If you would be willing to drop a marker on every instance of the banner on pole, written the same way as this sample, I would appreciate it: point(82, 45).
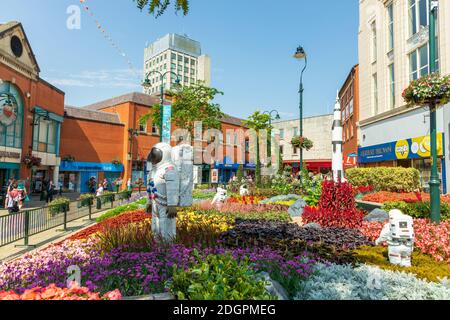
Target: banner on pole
point(166, 123)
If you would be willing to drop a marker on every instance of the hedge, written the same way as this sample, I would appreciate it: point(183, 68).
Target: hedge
point(417, 209)
point(395, 179)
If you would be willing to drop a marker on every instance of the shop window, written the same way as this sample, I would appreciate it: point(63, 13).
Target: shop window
point(45, 135)
point(11, 122)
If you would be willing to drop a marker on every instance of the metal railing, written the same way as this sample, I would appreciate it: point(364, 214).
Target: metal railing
point(24, 224)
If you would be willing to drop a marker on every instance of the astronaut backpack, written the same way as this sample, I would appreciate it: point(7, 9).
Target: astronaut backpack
point(183, 159)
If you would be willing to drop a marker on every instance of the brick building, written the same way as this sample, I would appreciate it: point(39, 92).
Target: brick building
point(349, 97)
point(106, 140)
point(31, 113)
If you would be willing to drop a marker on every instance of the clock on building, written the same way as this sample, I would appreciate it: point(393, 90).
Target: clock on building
point(16, 46)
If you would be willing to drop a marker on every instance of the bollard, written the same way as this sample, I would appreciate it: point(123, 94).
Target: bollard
point(26, 227)
point(65, 218)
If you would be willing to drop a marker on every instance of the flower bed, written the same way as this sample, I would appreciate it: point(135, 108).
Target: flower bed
point(332, 244)
point(52, 292)
point(245, 199)
point(344, 282)
point(410, 197)
point(430, 238)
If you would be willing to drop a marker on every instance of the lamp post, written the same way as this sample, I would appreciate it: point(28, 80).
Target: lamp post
point(299, 55)
point(132, 133)
point(434, 178)
point(147, 84)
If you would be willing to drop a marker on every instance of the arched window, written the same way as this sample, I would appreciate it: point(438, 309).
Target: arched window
point(11, 116)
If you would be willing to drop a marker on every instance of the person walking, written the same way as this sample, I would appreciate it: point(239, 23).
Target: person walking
point(105, 184)
point(129, 185)
point(99, 190)
point(50, 191)
point(13, 200)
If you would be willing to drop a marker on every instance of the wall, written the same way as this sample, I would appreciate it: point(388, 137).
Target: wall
point(375, 10)
point(350, 91)
point(317, 129)
point(90, 141)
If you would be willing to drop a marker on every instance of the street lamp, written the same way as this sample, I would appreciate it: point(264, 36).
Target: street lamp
point(132, 133)
point(299, 55)
point(434, 178)
point(147, 84)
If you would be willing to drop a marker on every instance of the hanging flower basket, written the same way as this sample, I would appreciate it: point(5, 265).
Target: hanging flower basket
point(302, 143)
point(431, 90)
point(31, 161)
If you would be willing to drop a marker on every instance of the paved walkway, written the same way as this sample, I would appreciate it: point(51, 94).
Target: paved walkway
point(15, 250)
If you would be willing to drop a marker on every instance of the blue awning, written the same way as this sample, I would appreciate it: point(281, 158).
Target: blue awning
point(90, 166)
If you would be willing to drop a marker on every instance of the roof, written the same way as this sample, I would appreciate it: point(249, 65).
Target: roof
point(232, 120)
point(92, 115)
point(304, 118)
point(146, 100)
point(135, 97)
point(5, 27)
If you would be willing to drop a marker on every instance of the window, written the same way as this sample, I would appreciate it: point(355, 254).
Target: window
point(281, 133)
point(373, 27)
point(294, 150)
point(173, 56)
point(154, 129)
point(295, 132)
point(192, 62)
point(186, 60)
point(418, 15)
point(281, 150)
point(180, 58)
point(11, 136)
point(142, 128)
point(351, 107)
point(392, 86)
point(45, 135)
point(351, 130)
point(419, 62)
point(390, 10)
point(375, 93)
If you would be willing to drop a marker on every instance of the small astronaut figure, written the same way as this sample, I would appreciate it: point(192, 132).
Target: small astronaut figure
point(163, 190)
point(399, 234)
point(220, 197)
point(244, 191)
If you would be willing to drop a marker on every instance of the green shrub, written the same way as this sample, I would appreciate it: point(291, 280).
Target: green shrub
point(417, 209)
point(58, 205)
point(394, 179)
point(86, 199)
point(121, 209)
point(218, 277)
point(423, 266)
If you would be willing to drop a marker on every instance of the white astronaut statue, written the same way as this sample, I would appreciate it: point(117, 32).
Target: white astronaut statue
point(163, 190)
point(220, 197)
point(244, 191)
point(399, 234)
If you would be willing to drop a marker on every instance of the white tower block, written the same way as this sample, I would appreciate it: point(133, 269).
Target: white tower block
point(337, 159)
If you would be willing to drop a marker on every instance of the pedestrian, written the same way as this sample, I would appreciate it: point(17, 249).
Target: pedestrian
point(60, 187)
point(13, 200)
point(100, 190)
point(23, 196)
point(50, 191)
point(105, 184)
point(129, 185)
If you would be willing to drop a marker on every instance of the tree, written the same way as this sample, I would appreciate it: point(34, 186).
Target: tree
point(158, 7)
point(191, 104)
point(258, 121)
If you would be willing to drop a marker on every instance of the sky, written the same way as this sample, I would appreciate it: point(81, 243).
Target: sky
point(251, 44)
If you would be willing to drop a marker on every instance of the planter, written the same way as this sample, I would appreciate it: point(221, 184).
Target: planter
point(85, 202)
point(58, 208)
point(368, 206)
point(99, 203)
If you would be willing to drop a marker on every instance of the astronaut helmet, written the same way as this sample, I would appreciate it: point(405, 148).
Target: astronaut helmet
point(394, 214)
point(160, 153)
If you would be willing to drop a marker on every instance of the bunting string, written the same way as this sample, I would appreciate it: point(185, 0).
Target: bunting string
point(108, 38)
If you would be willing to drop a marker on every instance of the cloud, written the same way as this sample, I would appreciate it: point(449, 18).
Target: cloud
point(114, 78)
